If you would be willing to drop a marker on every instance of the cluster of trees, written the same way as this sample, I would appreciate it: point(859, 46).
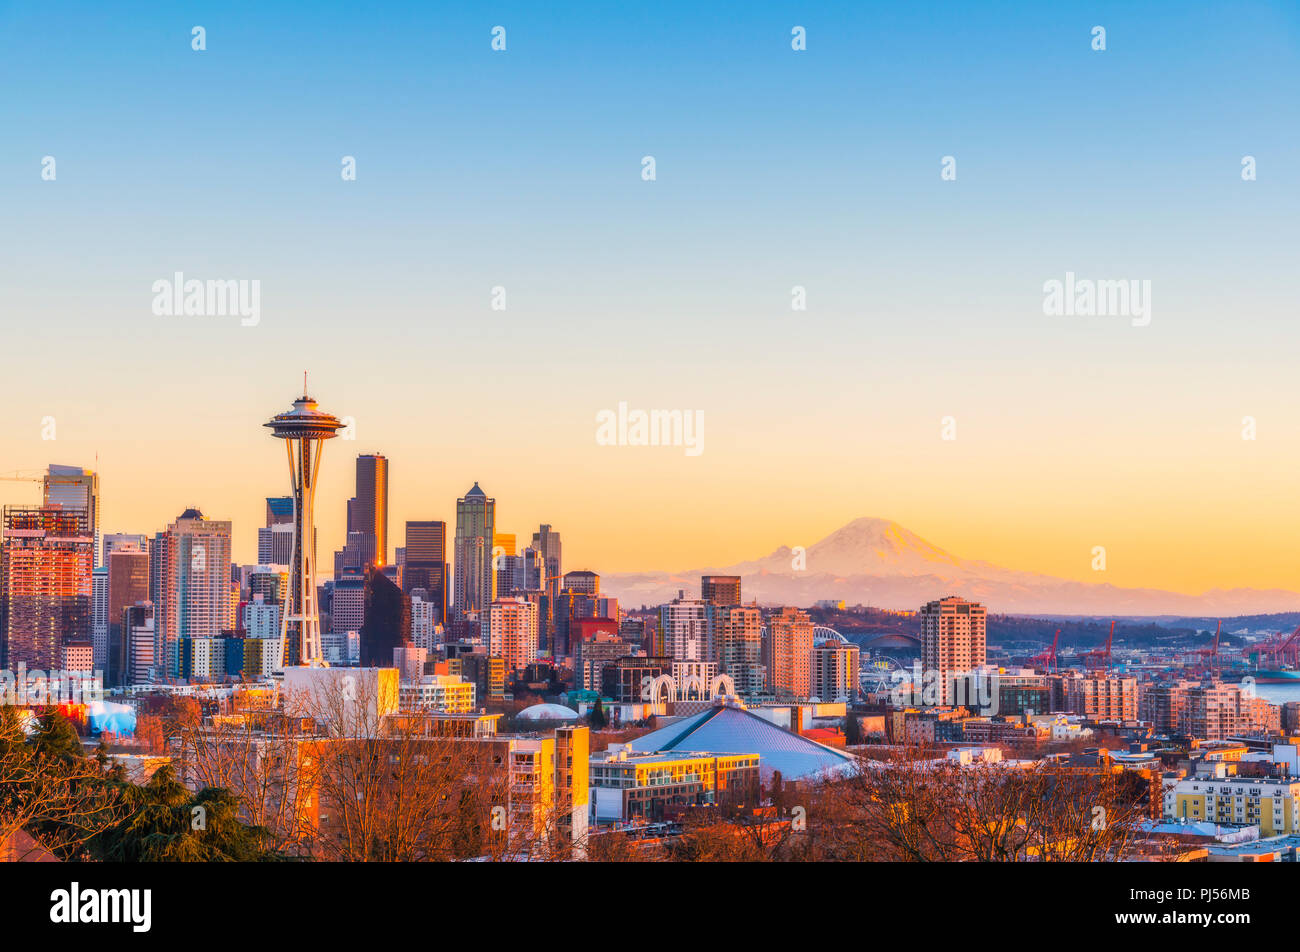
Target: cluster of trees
point(917, 810)
point(80, 807)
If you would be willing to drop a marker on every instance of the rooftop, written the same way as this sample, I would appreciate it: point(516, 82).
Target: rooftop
point(725, 729)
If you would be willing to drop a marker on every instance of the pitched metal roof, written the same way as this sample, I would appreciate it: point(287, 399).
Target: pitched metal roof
point(730, 730)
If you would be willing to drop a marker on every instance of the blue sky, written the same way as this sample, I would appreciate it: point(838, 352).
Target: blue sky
point(775, 168)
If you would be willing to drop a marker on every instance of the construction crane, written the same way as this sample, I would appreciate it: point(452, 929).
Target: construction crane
point(1101, 652)
point(19, 477)
point(1047, 658)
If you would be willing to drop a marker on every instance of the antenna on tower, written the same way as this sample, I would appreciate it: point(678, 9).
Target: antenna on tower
point(304, 383)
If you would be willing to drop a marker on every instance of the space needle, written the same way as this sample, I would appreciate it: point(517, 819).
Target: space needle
point(302, 429)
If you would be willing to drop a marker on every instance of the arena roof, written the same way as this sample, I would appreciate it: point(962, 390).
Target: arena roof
point(726, 729)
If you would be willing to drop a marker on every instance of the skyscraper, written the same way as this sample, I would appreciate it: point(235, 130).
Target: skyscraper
point(952, 642)
point(99, 618)
point(304, 430)
point(46, 561)
point(387, 622)
point(279, 510)
point(275, 544)
point(588, 583)
point(720, 589)
point(347, 615)
point(504, 562)
point(370, 514)
point(475, 532)
point(111, 541)
point(426, 564)
point(128, 583)
point(275, 540)
point(547, 542)
point(195, 586)
point(73, 487)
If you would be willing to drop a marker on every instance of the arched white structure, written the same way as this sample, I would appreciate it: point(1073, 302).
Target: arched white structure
point(693, 688)
point(722, 686)
point(822, 634)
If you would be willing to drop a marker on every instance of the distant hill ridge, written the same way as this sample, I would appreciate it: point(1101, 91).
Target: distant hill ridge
point(878, 562)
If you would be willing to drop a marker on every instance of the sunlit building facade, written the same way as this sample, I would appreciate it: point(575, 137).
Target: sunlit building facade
point(475, 532)
point(196, 585)
point(47, 560)
point(953, 633)
point(789, 647)
point(512, 632)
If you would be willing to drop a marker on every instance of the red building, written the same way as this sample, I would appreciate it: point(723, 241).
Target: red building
point(585, 629)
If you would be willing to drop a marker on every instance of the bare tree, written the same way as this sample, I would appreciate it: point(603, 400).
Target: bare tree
point(923, 810)
point(386, 787)
point(65, 799)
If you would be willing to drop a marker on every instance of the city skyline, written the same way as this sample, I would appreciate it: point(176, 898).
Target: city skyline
point(245, 542)
point(758, 433)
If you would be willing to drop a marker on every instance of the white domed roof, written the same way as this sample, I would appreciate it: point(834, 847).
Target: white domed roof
point(549, 712)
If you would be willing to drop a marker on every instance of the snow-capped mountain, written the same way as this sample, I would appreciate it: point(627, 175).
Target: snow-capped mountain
point(881, 563)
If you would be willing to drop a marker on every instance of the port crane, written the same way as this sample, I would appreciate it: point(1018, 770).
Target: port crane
point(1100, 652)
point(1047, 658)
point(1210, 656)
point(1277, 650)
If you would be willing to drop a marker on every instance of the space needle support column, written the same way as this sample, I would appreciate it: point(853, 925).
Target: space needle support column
point(307, 426)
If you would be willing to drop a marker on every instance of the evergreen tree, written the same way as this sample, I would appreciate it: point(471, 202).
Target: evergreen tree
point(167, 823)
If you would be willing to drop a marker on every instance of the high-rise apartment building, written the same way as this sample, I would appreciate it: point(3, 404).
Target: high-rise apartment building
point(512, 632)
point(196, 585)
point(47, 559)
point(720, 589)
point(686, 629)
point(738, 646)
point(953, 633)
point(271, 582)
point(834, 671)
point(138, 642)
point(261, 619)
point(427, 629)
point(475, 532)
point(788, 654)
